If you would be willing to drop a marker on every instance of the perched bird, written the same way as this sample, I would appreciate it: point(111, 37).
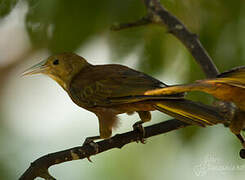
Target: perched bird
point(228, 86)
point(109, 90)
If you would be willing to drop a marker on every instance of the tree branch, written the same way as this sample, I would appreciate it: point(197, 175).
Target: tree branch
point(163, 17)
point(39, 168)
point(141, 22)
point(157, 14)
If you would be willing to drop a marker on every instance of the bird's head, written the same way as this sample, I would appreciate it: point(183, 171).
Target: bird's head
point(60, 67)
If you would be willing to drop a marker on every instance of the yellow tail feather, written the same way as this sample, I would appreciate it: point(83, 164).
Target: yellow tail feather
point(191, 112)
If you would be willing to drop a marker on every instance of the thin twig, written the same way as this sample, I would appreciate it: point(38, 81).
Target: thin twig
point(141, 22)
point(179, 30)
point(157, 14)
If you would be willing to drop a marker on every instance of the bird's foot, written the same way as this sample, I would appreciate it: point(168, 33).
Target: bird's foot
point(140, 129)
point(242, 151)
point(90, 141)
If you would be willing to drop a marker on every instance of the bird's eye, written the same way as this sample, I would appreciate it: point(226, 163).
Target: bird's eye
point(56, 62)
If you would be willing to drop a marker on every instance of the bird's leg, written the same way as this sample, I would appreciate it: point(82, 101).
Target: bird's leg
point(139, 128)
point(90, 141)
point(144, 116)
point(236, 126)
point(242, 151)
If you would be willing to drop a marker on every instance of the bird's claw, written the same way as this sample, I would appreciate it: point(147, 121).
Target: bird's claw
point(88, 158)
point(139, 128)
point(242, 153)
point(91, 143)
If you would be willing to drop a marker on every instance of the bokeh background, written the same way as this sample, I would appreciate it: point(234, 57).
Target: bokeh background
point(37, 117)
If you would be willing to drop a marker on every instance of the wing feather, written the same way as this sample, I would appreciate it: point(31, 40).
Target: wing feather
point(106, 85)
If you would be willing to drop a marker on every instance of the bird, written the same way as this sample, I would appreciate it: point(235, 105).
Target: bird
point(228, 86)
point(112, 89)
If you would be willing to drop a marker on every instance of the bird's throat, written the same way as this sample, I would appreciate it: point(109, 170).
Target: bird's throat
point(61, 81)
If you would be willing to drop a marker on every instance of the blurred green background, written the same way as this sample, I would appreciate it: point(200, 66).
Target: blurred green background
point(37, 117)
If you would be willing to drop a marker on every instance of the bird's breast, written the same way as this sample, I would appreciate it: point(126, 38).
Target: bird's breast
point(78, 98)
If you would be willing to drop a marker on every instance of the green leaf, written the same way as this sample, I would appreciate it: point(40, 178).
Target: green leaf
point(6, 6)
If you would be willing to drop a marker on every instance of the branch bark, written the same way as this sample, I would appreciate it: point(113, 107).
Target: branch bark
point(178, 29)
point(39, 168)
point(157, 14)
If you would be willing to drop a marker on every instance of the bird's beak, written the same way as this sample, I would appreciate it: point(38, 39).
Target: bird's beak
point(36, 69)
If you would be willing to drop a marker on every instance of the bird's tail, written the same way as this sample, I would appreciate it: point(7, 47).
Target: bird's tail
point(191, 112)
point(234, 77)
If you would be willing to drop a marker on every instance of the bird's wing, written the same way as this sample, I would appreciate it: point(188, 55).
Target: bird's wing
point(115, 84)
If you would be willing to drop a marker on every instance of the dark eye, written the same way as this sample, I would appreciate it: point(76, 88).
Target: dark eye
point(56, 62)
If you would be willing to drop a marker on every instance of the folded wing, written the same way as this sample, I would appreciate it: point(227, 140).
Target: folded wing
point(106, 85)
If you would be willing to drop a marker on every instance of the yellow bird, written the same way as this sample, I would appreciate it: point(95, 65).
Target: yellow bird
point(109, 90)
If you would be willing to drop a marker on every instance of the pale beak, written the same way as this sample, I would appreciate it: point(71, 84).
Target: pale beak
point(36, 69)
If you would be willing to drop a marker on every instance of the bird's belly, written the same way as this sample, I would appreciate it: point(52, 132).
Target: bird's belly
point(132, 107)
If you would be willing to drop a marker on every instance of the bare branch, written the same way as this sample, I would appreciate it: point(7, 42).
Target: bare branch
point(178, 29)
point(157, 14)
point(141, 22)
point(39, 168)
